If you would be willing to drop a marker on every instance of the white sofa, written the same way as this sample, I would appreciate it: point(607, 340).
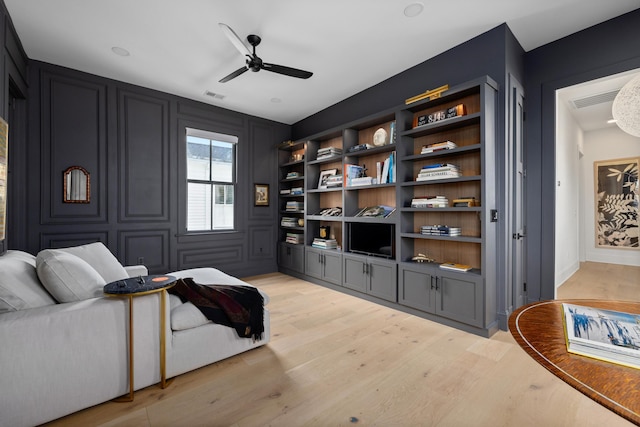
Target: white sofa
point(59, 358)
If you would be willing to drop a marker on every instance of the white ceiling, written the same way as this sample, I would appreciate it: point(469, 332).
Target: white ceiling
point(177, 46)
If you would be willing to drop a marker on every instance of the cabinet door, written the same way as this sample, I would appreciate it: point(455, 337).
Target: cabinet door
point(355, 276)
point(460, 297)
point(296, 258)
point(416, 288)
point(332, 267)
point(313, 263)
point(383, 279)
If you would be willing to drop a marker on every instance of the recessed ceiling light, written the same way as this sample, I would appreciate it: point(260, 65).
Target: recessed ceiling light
point(611, 121)
point(413, 10)
point(214, 95)
point(276, 100)
point(120, 51)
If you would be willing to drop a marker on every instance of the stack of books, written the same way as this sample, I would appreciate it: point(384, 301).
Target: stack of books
point(360, 147)
point(337, 211)
point(440, 230)
point(296, 191)
point(334, 181)
point(294, 206)
point(294, 238)
point(285, 191)
point(465, 202)
point(386, 171)
point(430, 202)
point(351, 172)
point(365, 180)
point(325, 153)
point(438, 171)
point(289, 222)
point(445, 145)
point(324, 243)
point(293, 175)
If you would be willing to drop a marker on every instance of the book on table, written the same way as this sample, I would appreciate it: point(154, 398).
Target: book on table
point(608, 335)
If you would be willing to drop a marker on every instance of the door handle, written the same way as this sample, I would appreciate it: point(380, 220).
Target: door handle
point(517, 236)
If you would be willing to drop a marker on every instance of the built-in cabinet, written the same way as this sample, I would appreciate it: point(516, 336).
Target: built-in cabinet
point(465, 116)
point(374, 276)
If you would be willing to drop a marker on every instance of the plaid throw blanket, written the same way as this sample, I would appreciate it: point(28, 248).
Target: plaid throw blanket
point(239, 307)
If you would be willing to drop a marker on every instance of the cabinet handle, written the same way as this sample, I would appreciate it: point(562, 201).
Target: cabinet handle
point(364, 268)
point(432, 282)
point(437, 283)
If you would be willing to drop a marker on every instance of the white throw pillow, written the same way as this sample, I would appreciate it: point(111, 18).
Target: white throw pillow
point(187, 316)
point(68, 277)
point(19, 284)
point(101, 259)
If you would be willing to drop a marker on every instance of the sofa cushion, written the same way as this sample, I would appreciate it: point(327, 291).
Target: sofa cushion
point(187, 316)
point(98, 256)
point(19, 284)
point(68, 277)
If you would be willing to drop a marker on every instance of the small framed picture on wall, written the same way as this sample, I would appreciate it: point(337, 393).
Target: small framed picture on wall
point(261, 194)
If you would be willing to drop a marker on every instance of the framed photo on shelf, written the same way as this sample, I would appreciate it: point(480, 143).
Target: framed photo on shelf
point(616, 203)
point(324, 175)
point(261, 194)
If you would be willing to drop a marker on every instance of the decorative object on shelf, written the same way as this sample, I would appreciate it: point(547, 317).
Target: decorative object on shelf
point(261, 194)
point(430, 94)
point(611, 336)
point(616, 184)
point(300, 222)
point(4, 158)
point(324, 176)
point(422, 258)
point(285, 144)
point(626, 107)
point(325, 231)
point(379, 211)
point(380, 137)
point(77, 185)
point(447, 113)
point(296, 157)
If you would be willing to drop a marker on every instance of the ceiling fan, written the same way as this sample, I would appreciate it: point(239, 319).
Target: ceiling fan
point(254, 63)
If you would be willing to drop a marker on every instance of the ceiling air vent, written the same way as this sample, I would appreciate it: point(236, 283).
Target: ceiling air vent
point(214, 95)
point(591, 100)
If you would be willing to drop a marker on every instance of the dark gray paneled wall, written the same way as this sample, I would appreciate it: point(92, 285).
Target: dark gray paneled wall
point(605, 49)
point(131, 140)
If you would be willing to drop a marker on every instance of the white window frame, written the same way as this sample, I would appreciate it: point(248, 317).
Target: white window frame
point(216, 137)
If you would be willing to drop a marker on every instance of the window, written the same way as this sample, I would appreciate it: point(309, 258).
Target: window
point(211, 180)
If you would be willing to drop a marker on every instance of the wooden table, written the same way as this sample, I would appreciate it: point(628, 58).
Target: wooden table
point(538, 328)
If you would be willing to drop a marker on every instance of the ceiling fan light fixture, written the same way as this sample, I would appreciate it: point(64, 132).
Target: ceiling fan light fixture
point(626, 107)
point(413, 10)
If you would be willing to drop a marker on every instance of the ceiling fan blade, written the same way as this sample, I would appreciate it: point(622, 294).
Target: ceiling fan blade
point(233, 75)
point(287, 71)
point(234, 39)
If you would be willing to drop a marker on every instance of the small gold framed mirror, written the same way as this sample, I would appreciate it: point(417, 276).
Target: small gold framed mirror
point(77, 185)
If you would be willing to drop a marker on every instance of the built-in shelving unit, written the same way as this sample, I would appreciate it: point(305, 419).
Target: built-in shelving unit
point(462, 299)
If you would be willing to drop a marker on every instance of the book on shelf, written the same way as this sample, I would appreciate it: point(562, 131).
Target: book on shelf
point(285, 191)
point(444, 145)
point(351, 172)
point(392, 132)
point(324, 153)
point(379, 211)
point(296, 191)
point(440, 230)
point(608, 335)
point(294, 206)
point(430, 202)
point(337, 211)
point(294, 238)
point(365, 180)
point(324, 243)
point(442, 174)
point(334, 181)
point(466, 202)
point(289, 222)
point(360, 147)
point(452, 266)
point(293, 175)
point(388, 172)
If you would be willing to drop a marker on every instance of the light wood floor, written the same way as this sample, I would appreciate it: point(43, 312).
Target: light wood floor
point(337, 360)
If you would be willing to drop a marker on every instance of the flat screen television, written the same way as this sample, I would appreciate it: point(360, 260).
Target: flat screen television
point(374, 239)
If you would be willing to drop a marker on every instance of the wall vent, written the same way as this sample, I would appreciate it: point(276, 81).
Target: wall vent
point(591, 100)
point(215, 95)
